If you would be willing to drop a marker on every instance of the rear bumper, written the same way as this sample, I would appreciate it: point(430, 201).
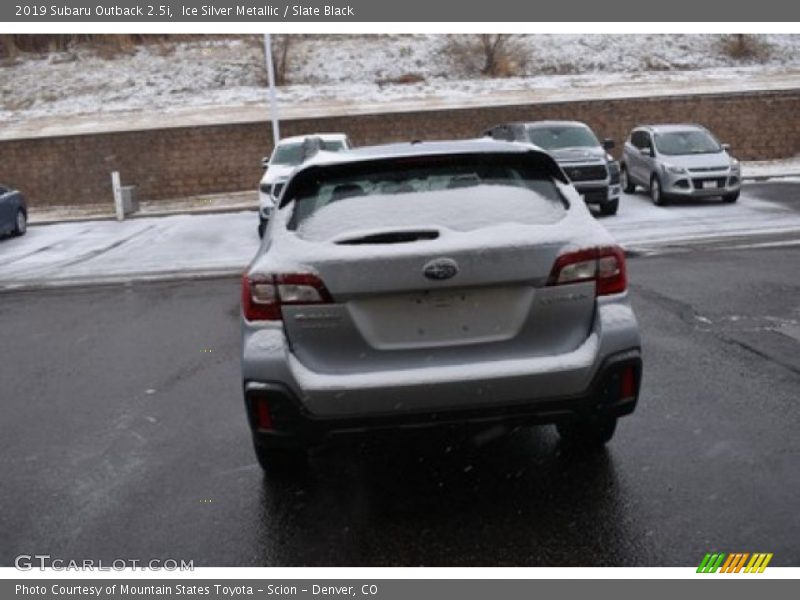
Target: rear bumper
point(292, 425)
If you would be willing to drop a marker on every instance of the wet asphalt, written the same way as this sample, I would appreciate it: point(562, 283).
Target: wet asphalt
point(123, 435)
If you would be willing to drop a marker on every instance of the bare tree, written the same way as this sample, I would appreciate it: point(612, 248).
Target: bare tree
point(747, 47)
point(281, 45)
point(493, 49)
point(491, 55)
point(8, 46)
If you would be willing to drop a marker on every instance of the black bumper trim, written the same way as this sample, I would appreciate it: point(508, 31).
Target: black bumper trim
point(295, 426)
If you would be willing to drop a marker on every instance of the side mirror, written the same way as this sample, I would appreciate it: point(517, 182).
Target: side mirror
point(646, 151)
point(265, 162)
point(726, 147)
point(608, 144)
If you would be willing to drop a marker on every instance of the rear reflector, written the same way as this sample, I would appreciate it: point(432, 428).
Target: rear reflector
point(627, 388)
point(263, 295)
point(605, 266)
point(263, 417)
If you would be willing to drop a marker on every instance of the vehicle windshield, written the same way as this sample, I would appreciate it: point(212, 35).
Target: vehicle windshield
point(557, 137)
point(287, 154)
point(443, 189)
point(686, 142)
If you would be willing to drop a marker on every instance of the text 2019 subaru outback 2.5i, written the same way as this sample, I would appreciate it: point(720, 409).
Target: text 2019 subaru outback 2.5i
point(586, 162)
point(425, 284)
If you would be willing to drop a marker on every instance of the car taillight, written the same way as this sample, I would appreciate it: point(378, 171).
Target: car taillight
point(263, 295)
point(605, 266)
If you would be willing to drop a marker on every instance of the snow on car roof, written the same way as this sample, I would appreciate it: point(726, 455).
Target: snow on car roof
point(327, 137)
point(666, 127)
point(542, 124)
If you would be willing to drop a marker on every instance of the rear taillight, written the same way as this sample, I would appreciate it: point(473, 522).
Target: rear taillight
point(263, 295)
point(605, 266)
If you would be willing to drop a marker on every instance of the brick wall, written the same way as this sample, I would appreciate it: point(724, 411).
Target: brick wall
point(178, 162)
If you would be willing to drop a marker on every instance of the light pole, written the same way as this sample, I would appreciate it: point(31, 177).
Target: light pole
point(273, 100)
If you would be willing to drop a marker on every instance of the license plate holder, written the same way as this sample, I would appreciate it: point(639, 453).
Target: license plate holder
point(710, 184)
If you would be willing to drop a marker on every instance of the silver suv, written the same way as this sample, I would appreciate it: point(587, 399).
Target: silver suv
point(587, 163)
point(672, 161)
point(428, 284)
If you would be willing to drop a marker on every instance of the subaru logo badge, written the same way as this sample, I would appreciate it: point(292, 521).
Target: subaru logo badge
point(440, 268)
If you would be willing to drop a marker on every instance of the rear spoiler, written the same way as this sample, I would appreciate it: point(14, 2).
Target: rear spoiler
point(313, 173)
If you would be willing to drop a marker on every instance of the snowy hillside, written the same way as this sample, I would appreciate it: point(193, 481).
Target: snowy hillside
point(230, 71)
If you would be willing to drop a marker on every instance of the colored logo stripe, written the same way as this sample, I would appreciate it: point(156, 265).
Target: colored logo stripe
point(734, 563)
point(758, 563)
point(711, 563)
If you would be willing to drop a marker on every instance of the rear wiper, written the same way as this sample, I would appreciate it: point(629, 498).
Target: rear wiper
point(392, 237)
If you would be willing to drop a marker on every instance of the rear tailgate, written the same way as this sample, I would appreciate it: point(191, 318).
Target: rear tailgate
point(438, 277)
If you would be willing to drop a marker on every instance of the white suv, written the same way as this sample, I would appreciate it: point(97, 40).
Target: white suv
point(288, 153)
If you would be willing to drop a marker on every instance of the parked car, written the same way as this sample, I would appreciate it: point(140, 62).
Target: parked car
point(587, 163)
point(422, 284)
point(679, 160)
point(288, 153)
point(13, 212)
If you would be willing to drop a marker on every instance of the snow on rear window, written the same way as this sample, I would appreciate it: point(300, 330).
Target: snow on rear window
point(460, 209)
point(457, 192)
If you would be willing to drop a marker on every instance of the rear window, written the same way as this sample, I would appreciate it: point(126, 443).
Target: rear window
point(430, 190)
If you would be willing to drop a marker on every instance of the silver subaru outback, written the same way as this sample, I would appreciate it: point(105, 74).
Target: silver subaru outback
point(678, 160)
point(434, 284)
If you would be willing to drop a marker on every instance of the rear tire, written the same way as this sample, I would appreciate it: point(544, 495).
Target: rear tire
point(656, 192)
point(281, 462)
point(731, 198)
point(609, 208)
point(21, 223)
point(587, 432)
point(625, 181)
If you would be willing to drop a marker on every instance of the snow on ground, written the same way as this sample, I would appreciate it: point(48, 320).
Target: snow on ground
point(757, 169)
point(184, 246)
point(230, 71)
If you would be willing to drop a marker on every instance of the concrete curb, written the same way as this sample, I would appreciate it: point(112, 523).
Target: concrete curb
point(29, 285)
point(633, 249)
point(147, 215)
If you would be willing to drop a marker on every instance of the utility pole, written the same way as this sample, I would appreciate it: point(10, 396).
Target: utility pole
point(273, 99)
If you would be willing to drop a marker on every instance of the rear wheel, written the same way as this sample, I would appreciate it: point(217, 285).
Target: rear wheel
point(625, 181)
point(730, 198)
point(21, 223)
point(281, 462)
point(587, 432)
point(610, 207)
point(656, 192)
